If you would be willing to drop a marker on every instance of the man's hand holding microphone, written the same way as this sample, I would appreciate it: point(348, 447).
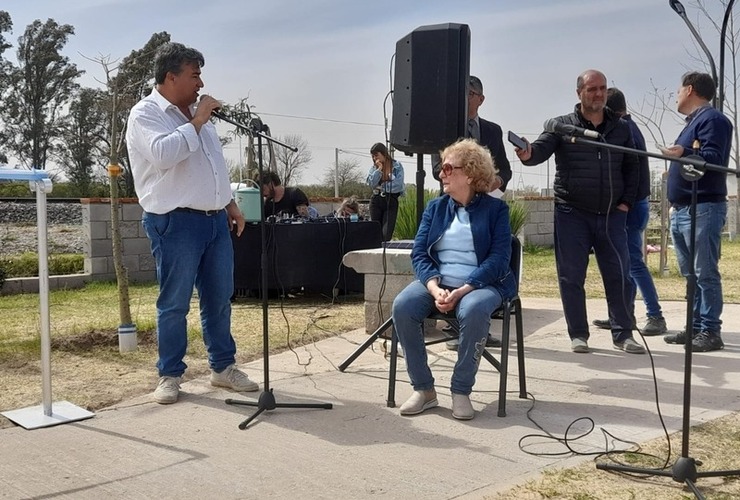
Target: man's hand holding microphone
point(206, 106)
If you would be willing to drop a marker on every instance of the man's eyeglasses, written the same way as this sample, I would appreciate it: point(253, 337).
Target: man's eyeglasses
point(472, 93)
point(448, 168)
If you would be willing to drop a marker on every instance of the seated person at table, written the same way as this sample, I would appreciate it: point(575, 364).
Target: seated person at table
point(348, 208)
point(461, 261)
point(282, 201)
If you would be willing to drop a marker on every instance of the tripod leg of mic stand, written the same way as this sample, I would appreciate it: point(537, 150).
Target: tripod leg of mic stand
point(320, 406)
point(267, 401)
point(244, 424)
point(684, 471)
point(634, 470)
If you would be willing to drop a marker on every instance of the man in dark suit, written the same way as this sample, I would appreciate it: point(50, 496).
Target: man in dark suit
point(487, 134)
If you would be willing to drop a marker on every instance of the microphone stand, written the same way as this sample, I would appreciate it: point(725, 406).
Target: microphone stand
point(684, 469)
point(266, 400)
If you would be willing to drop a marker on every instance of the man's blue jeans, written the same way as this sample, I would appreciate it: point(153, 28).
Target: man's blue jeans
point(637, 221)
point(192, 249)
point(710, 219)
point(576, 233)
point(473, 312)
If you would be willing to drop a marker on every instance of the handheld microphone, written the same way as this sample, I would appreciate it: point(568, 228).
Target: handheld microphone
point(217, 114)
point(558, 127)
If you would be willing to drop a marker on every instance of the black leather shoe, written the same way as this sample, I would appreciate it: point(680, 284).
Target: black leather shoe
point(706, 341)
point(604, 324)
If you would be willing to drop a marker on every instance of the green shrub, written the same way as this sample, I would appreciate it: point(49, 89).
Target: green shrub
point(66, 264)
point(406, 221)
point(518, 216)
point(27, 264)
point(15, 189)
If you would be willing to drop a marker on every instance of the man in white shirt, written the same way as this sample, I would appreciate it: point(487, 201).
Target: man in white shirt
point(183, 186)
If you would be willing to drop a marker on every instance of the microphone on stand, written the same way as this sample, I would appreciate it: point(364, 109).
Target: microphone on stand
point(254, 123)
point(558, 127)
point(216, 113)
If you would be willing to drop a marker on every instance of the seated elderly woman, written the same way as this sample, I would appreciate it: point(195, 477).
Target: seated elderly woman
point(461, 261)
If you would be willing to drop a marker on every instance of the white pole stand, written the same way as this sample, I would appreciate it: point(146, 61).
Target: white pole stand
point(43, 415)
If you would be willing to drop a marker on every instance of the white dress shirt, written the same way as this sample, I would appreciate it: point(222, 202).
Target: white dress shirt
point(173, 165)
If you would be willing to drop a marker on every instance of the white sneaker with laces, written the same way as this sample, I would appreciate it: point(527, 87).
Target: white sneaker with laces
point(234, 379)
point(167, 391)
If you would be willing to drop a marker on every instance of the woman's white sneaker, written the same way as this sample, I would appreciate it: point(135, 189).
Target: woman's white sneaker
point(419, 401)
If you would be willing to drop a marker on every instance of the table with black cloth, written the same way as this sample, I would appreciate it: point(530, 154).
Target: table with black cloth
point(304, 255)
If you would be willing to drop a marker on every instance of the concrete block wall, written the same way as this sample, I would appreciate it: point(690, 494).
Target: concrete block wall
point(98, 245)
point(539, 229)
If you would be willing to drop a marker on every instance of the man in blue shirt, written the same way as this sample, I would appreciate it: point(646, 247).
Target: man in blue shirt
point(708, 133)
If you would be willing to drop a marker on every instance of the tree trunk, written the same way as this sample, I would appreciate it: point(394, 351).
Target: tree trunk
point(126, 329)
point(124, 305)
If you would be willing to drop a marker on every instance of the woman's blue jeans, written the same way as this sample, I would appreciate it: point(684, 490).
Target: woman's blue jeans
point(710, 219)
point(637, 221)
point(412, 306)
point(192, 250)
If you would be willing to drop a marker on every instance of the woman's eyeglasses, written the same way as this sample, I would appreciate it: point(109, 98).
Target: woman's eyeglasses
point(448, 168)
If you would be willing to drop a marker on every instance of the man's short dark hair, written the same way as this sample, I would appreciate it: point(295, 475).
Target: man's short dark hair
point(615, 100)
point(702, 83)
point(171, 57)
point(475, 85)
point(270, 178)
point(581, 80)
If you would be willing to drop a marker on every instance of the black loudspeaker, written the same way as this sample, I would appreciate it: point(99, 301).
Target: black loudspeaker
point(430, 88)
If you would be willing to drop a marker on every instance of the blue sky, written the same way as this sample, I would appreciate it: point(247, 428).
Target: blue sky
point(329, 61)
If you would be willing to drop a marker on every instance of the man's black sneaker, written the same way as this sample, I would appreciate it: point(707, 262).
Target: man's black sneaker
point(706, 341)
point(678, 338)
point(655, 326)
point(604, 324)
